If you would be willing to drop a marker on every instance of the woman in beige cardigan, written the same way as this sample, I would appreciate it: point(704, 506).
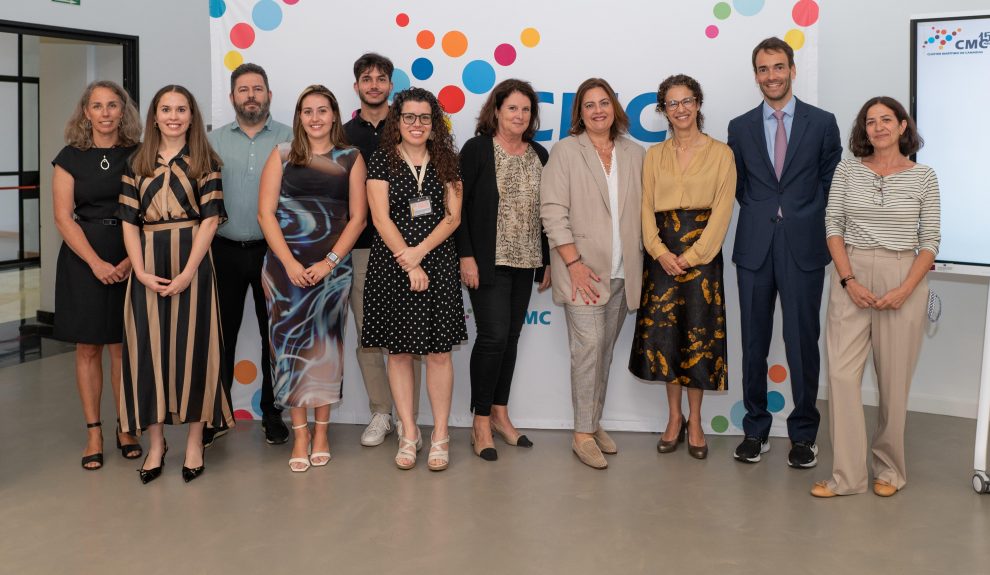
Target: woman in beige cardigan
point(590, 205)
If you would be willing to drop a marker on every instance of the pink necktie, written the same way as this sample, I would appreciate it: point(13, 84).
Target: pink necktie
point(779, 144)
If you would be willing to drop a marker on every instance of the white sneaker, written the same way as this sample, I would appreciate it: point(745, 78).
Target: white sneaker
point(380, 426)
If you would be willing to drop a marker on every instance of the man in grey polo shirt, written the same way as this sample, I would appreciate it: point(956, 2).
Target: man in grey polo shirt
point(239, 246)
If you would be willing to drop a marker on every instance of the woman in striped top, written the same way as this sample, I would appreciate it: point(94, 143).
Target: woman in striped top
point(882, 224)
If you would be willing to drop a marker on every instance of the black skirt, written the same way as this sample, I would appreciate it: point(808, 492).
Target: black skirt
point(86, 310)
point(680, 325)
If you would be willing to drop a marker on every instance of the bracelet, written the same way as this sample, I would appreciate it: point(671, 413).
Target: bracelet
point(844, 280)
point(576, 260)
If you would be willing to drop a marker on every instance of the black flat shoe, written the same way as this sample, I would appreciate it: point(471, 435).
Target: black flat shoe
point(671, 446)
point(190, 473)
point(132, 451)
point(96, 457)
point(149, 475)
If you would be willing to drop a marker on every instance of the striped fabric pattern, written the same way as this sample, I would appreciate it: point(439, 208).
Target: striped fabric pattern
point(898, 212)
point(171, 351)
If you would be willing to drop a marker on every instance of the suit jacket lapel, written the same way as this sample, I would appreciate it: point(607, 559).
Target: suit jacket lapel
point(595, 166)
point(625, 173)
point(798, 127)
point(760, 138)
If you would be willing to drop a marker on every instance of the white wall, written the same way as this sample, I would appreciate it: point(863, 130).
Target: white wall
point(863, 51)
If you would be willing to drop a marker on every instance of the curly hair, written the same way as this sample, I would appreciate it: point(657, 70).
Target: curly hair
point(79, 130)
point(202, 158)
point(620, 122)
point(687, 82)
point(300, 154)
point(488, 123)
point(443, 154)
point(909, 142)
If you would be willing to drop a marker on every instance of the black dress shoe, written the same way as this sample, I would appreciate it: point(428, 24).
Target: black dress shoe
point(190, 473)
point(96, 458)
point(149, 475)
point(211, 434)
point(276, 433)
point(131, 451)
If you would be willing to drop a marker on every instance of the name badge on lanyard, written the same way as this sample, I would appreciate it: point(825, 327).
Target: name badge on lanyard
point(420, 205)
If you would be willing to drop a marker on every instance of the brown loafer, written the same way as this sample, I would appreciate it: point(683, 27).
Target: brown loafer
point(589, 453)
point(883, 488)
point(821, 489)
point(605, 443)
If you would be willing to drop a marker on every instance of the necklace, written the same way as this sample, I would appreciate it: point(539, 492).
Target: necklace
point(105, 163)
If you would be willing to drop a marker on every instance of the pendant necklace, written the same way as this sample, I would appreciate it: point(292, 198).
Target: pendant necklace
point(104, 163)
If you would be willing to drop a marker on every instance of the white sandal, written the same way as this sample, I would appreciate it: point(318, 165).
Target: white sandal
point(318, 454)
point(443, 455)
point(304, 461)
point(407, 450)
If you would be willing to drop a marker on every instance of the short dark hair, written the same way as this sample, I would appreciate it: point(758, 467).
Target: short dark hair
point(370, 61)
point(488, 124)
point(774, 44)
point(689, 83)
point(620, 123)
point(909, 142)
point(247, 68)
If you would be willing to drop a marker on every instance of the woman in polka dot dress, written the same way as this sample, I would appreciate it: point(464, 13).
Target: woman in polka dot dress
point(412, 301)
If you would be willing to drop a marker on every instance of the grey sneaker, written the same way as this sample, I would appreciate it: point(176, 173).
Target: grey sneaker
point(379, 427)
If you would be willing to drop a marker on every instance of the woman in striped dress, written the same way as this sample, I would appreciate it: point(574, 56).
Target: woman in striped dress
point(882, 224)
point(171, 203)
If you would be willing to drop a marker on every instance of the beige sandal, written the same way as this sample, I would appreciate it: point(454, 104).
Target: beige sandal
point(303, 461)
point(407, 450)
point(438, 451)
point(320, 454)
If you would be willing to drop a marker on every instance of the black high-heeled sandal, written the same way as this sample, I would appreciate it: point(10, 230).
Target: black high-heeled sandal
point(190, 473)
point(96, 457)
point(132, 451)
point(149, 475)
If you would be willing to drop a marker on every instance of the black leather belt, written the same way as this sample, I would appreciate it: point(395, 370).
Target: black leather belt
point(240, 243)
point(103, 221)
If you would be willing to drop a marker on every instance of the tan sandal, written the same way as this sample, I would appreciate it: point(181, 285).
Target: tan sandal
point(407, 450)
point(441, 454)
point(302, 461)
point(320, 454)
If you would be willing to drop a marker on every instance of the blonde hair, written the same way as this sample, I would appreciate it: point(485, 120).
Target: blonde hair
point(79, 130)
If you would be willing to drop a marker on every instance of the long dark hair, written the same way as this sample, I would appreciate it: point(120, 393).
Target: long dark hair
point(299, 153)
point(488, 123)
point(443, 154)
point(909, 142)
point(202, 158)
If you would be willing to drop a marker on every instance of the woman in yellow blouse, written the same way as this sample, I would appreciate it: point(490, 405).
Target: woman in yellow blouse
point(689, 182)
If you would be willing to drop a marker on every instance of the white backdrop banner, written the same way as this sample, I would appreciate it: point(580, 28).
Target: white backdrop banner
point(460, 50)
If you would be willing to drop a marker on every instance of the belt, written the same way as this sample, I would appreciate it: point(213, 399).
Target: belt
point(104, 221)
point(239, 243)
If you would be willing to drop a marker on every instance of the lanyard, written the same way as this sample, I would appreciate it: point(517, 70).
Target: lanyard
point(421, 175)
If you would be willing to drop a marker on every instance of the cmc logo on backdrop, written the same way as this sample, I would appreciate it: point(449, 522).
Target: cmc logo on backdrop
point(479, 77)
point(537, 317)
point(949, 41)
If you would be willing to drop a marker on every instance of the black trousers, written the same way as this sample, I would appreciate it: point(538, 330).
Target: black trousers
point(238, 267)
point(499, 314)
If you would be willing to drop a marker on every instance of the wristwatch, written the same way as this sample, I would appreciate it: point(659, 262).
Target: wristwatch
point(846, 279)
point(333, 259)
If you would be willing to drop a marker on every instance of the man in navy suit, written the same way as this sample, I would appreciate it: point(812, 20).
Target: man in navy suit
point(786, 152)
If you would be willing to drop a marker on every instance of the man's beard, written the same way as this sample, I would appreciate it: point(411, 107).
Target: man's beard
point(249, 116)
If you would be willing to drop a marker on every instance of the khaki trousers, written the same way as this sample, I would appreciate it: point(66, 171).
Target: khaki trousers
point(372, 360)
point(591, 332)
point(895, 338)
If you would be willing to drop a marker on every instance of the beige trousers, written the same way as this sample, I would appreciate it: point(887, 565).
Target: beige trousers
point(895, 338)
point(591, 333)
point(372, 360)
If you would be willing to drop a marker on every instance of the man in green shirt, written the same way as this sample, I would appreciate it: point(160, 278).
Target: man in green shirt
point(239, 246)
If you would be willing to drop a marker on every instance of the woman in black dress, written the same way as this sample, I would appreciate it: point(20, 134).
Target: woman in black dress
point(502, 248)
point(412, 300)
point(92, 265)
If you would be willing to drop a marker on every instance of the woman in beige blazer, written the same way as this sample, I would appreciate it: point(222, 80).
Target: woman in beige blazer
point(590, 196)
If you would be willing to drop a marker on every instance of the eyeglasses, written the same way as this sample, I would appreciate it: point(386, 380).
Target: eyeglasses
point(675, 104)
point(410, 119)
point(878, 190)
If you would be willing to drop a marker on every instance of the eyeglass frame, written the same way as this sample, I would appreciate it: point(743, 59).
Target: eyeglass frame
point(689, 102)
point(409, 119)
